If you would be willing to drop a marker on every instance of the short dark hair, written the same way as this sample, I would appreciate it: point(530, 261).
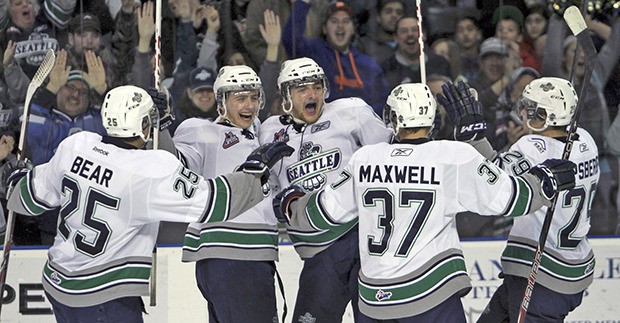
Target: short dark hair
point(382, 3)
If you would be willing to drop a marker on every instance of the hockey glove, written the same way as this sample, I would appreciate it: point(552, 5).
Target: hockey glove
point(163, 103)
point(264, 157)
point(555, 175)
point(282, 201)
point(463, 110)
point(14, 171)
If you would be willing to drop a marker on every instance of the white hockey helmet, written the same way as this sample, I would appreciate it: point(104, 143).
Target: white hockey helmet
point(410, 105)
point(556, 96)
point(295, 72)
point(236, 78)
point(127, 111)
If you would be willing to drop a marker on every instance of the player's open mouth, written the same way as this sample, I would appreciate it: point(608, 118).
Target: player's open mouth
point(245, 116)
point(310, 107)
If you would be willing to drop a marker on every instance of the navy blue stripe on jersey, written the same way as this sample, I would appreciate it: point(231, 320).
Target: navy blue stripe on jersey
point(228, 197)
point(182, 158)
point(324, 214)
point(513, 197)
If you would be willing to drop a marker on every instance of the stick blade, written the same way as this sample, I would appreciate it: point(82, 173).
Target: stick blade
point(574, 20)
point(45, 67)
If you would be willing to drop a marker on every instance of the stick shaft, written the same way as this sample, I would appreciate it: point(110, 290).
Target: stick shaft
point(583, 38)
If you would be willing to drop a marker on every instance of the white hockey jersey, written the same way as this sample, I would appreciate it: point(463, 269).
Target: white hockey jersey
point(406, 196)
point(322, 149)
point(567, 265)
point(210, 149)
point(112, 200)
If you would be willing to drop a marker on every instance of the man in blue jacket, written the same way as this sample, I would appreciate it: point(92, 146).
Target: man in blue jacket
point(349, 72)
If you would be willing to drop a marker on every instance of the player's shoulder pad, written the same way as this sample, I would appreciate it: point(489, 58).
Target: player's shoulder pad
point(352, 106)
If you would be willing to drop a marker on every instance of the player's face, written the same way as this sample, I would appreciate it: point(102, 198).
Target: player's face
point(308, 101)
point(407, 36)
point(339, 30)
point(87, 40)
point(242, 107)
point(72, 98)
point(389, 15)
point(203, 99)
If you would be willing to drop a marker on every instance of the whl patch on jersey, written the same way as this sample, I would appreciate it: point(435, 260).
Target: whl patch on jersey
point(55, 278)
point(280, 136)
point(381, 295)
point(401, 152)
point(230, 139)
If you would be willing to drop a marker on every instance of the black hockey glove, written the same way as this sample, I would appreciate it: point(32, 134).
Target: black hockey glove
point(163, 103)
point(264, 157)
point(463, 110)
point(555, 175)
point(14, 171)
point(282, 201)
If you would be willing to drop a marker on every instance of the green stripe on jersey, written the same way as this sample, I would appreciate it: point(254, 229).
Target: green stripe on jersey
point(125, 273)
point(220, 210)
point(523, 198)
point(556, 266)
point(240, 238)
point(410, 290)
point(29, 203)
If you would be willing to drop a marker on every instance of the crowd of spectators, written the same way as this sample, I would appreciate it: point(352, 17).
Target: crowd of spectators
point(366, 48)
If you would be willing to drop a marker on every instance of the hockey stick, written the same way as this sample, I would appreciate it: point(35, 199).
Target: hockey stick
point(39, 77)
point(157, 78)
point(575, 21)
point(421, 42)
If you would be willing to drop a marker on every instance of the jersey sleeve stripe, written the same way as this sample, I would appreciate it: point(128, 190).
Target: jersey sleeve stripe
point(220, 204)
point(521, 199)
point(29, 199)
point(319, 217)
point(209, 206)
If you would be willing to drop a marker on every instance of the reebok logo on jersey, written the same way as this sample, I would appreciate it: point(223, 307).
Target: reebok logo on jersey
point(230, 139)
point(583, 147)
point(381, 295)
point(401, 152)
point(320, 126)
point(101, 151)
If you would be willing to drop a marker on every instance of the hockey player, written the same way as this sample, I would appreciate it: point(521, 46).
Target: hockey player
point(567, 266)
point(242, 251)
point(112, 195)
point(406, 196)
point(326, 134)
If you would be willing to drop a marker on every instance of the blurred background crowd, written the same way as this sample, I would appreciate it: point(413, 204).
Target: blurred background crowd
point(366, 48)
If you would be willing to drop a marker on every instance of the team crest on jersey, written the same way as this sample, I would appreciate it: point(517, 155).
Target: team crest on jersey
point(401, 152)
point(230, 139)
point(309, 172)
point(280, 136)
point(381, 295)
point(320, 126)
point(55, 278)
point(540, 144)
